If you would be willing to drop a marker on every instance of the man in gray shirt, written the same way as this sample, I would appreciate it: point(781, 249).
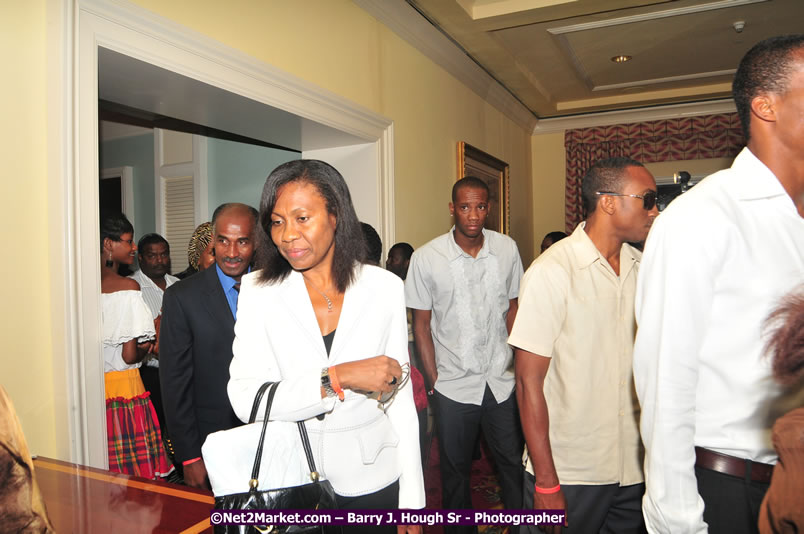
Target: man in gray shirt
point(463, 288)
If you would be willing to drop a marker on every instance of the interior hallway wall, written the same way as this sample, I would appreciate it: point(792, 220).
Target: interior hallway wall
point(26, 365)
point(338, 46)
point(237, 171)
point(137, 152)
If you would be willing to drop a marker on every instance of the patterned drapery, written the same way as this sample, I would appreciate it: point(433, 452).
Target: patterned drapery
point(701, 137)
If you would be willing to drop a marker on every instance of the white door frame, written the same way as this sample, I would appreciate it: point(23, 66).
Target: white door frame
point(81, 27)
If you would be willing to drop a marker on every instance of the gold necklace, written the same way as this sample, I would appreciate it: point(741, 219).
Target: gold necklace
point(329, 302)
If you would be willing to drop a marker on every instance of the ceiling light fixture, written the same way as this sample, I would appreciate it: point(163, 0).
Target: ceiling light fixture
point(621, 59)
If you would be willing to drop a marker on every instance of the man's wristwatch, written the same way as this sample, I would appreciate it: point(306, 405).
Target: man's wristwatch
point(326, 383)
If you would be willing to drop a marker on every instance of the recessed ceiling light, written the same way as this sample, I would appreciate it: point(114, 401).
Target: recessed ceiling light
point(621, 59)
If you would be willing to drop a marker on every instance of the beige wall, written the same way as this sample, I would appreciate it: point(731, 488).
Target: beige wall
point(338, 46)
point(549, 177)
point(26, 364)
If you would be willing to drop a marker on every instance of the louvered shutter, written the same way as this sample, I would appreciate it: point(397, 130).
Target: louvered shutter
point(179, 218)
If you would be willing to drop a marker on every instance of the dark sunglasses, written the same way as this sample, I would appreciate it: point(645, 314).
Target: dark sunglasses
point(648, 199)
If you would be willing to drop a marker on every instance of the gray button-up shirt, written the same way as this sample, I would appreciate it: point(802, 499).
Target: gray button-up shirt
point(469, 299)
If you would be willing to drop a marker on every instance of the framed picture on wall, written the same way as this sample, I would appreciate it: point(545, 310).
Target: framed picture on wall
point(474, 162)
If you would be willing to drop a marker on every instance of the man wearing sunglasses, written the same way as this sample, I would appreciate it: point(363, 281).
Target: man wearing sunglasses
point(576, 319)
point(716, 264)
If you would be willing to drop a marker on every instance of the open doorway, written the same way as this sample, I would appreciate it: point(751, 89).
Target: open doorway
point(129, 56)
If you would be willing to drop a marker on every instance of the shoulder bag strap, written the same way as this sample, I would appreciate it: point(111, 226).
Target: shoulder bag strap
point(255, 472)
point(305, 439)
point(308, 452)
point(257, 400)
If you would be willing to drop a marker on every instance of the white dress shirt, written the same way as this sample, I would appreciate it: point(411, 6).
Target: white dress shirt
point(716, 263)
point(151, 293)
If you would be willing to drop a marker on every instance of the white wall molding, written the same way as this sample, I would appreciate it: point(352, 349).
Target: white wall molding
point(669, 79)
point(406, 22)
point(65, 314)
point(607, 118)
point(190, 53)
point(642, 17)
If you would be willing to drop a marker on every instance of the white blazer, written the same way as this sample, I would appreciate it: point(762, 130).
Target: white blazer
point(357, 447)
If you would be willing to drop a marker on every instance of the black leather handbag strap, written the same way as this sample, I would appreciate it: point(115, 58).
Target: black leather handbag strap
point(257, 399)
point(305, 439)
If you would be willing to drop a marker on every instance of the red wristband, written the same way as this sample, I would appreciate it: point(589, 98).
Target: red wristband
point(188, 462)
point(335, 383)
point(547, 491)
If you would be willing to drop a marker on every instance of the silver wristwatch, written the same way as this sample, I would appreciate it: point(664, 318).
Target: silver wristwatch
point(326, 384)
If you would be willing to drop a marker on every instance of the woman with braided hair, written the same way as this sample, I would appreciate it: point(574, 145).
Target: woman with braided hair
point(200, 252)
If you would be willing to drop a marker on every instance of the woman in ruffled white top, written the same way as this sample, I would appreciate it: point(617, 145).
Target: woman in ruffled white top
point(134, 437)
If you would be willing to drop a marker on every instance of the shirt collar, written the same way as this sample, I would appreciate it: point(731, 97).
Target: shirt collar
point(585, 250)
point(227, 282)
point(456, 251)
point(587, 253)
point(754, 180)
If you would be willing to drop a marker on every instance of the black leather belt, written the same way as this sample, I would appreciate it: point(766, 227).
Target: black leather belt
point(731, 465)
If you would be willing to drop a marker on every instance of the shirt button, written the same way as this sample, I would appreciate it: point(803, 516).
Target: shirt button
point(622, 413)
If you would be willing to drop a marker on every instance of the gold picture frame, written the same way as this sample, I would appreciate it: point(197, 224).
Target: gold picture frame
point(474, 162)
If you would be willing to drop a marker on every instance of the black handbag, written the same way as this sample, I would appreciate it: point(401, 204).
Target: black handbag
point(316, 495)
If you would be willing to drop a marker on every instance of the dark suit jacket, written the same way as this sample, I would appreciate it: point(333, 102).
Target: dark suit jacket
point(195, 349)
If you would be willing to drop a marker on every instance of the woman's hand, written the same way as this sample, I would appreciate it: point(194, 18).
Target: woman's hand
point(372, 374)
point(146, 347)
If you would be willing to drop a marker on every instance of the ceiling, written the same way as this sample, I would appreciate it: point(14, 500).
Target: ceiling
point(554, 56)
point(143, 94)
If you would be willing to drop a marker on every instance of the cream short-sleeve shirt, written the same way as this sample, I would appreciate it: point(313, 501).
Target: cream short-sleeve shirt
point(574, 309)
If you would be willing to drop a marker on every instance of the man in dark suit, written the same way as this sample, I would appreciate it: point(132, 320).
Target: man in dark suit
point(198, 317)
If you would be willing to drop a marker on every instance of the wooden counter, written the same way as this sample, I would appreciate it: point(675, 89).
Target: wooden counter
point(85, 500)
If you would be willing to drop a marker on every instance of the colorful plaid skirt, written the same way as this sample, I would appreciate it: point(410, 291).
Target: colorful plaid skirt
point(134, 437)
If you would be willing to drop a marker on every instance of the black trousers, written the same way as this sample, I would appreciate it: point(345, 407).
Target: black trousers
point(386, 498)
point(606, 509)
point(731, 504)
point(458, 426)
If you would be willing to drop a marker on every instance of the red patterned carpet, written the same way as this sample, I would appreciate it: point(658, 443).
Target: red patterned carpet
point(485, 490)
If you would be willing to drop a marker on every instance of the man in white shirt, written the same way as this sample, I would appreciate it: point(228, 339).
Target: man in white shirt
point(463, 287)
point(153, 257)
point(716, 263)
point(573, 339)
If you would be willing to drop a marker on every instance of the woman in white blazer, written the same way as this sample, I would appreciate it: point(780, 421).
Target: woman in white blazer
point(332, 329)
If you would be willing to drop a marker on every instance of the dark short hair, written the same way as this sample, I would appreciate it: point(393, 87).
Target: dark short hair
point(113, 225)
point(469, 181)
point(350, 247)
point(373, 244)
point(555, 237)
point(605, 175)
point(405, 248)
point(233, 205)
point(151, 239)
point(765, 69)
